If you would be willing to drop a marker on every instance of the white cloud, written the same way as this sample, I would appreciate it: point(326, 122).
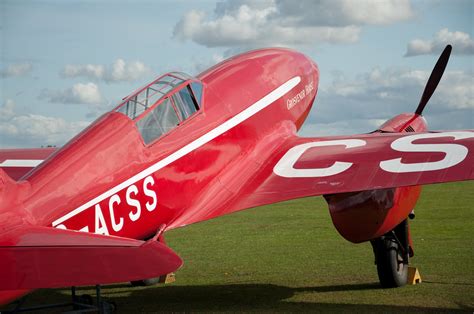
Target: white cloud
point(79, 93)
point(462, 44)
point(87, 70)
point(344, 12)
point(360, 104)
point(455, 91)
point(7, 111)
point(200, 64)
point(284, 22)
point(459, 93)
point(119, 71)
point(31, 130)
point(16, 69)
point(340, 127)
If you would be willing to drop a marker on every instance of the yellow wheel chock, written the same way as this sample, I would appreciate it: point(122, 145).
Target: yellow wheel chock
point(413, 276)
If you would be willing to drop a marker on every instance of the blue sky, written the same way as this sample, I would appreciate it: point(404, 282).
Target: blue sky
point(63, 63)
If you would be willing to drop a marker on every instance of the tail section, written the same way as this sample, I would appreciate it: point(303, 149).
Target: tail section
point(18, 162)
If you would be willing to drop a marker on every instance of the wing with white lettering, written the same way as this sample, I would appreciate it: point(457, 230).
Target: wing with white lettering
point(300, 167)
point(315, 166)
point(18, 162)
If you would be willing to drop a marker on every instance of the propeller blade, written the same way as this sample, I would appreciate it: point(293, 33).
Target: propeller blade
point(434, 79)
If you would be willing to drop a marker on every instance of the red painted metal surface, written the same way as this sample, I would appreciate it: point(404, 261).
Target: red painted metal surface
point(111, 151)
point(234, 153)
point(8, 296)
point(23, 154)
point(369, 214)
point(366, 215)
point(35, 257)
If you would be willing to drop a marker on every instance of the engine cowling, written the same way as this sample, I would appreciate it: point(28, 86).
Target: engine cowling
point(366, 215)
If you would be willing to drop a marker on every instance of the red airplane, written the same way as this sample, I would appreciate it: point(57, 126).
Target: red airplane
point(187, 149)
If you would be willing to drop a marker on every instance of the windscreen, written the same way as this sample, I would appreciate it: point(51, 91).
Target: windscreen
point(158, 121)
point(146, 98)
point(168, 102)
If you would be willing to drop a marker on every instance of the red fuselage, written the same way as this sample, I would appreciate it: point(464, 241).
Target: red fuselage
point(105, 158)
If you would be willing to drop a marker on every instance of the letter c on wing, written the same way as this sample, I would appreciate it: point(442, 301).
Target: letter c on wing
point(285, 167)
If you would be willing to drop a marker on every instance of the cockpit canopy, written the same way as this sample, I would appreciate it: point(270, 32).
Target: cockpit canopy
point(163, 105)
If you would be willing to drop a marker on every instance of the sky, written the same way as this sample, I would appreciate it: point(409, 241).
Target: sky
point(64, 63)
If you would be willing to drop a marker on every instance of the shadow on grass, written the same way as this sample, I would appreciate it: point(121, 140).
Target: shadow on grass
point(449, 283)
point(234, 297)
point(348, 287)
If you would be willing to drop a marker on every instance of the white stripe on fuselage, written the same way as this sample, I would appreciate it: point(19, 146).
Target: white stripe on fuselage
point(224, 127)
point(26, 163)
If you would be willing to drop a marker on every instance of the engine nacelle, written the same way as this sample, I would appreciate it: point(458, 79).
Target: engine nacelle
point(366, 215)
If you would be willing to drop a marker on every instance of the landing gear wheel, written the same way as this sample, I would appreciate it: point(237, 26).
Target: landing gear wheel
point(145, 282)
point(391, 257)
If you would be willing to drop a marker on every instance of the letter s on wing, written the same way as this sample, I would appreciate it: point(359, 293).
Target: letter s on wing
point(285, 166)
point(455, 153)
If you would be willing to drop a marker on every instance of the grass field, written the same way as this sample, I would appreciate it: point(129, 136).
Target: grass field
point(289, 257)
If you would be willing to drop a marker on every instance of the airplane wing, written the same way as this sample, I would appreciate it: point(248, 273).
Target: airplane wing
point(18, 162)
point(316, 166)
point(43, 257)
point(299, 167)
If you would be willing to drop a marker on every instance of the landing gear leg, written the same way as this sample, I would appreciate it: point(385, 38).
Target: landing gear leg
point(391, 256)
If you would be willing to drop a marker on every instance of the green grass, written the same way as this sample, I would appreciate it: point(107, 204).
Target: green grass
point(289, 257)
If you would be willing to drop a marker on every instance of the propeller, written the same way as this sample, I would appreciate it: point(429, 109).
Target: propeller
point(434, 79)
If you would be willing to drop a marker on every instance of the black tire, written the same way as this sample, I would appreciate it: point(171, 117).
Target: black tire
point(145, 282)
point(392, 265)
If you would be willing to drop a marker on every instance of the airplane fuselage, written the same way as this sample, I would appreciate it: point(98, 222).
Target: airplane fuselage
point(107, 180)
